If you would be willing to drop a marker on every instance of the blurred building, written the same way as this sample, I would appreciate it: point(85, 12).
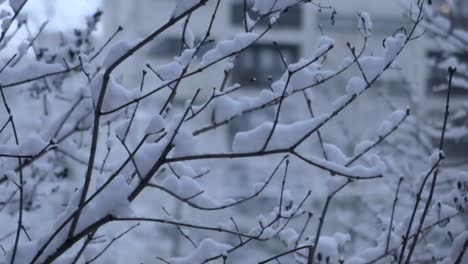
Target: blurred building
point(447, 36)
point(297, 33)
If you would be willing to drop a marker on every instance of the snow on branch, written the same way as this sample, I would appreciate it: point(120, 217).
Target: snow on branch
point(86, 159)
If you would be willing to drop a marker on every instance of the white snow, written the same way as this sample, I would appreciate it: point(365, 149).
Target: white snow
point(325, 43)
point(458, 246)
point(365, 24)
point(28, 71)
point(387, 125)
point(184, 169)
point(30, 147)
point(116, 94)
point(189, 37)
point(115, 52)
point(173, 70)
point(302, 78)
point(363, 145)
point(226, 48)
point(377, 168)
point(393, 45)
point(186, 187)
point(341, 101)
point(372, 66)
point(335, 154)
point(185, 144)
point(112, 200)
point(334, 183)
point(185, 183)
point(347, 61)
point(355, 85)
point(289, 236)
point(148, 155)
point(156, 124)
point(182, 6)
point(329, 248)
point(122, 129)
point(283, 137)
point(434, 158)
point(23, 48)
point(226, 107)
point(250, 22)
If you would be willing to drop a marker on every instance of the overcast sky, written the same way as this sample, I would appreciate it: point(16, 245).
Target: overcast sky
point(61, 14)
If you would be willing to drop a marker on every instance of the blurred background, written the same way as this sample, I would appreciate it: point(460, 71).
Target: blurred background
point(418, 81)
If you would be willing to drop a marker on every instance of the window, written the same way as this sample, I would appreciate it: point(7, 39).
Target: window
point(438, 76)
point(170, 46)
point(290, 18)
point(261, 63)
point(392, 85)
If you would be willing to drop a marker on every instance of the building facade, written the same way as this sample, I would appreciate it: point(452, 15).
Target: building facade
point(297, 33)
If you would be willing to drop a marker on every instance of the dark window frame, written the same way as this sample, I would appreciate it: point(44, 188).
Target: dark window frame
point(291, 18)
point(393, 85)
point(255, 73)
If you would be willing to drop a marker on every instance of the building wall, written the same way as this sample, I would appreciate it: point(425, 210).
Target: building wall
point(141, 17)
point(359, 121)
